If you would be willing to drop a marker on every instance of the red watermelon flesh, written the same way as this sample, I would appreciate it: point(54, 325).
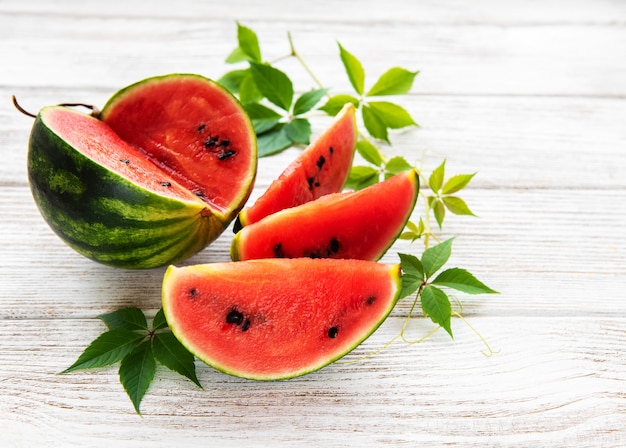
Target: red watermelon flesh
point(322, 168)
point(274, 319)
point(100, 143)
point(358, 225)
point(192, 129)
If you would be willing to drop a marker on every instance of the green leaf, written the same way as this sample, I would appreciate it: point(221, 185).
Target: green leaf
point(299, 131)
point(137, 372)
point(439, 210)
point(369, 152)
point(362, 176)
point(416, 228)
point(274, 84)
point(374, 125)
point(457, 183)
point(108, 348)
point(395, 81)
point(308, 101)
point(248, 43)
point(334, 104)
point(273, 141)
point(436, 305)
point(248, 90)
point(237, 55)
point(129, 318)
point(173, 355)
point(394, 116)
point(457, 205)
point(396, 165)
point(263, 118)
point(412, 274)
point(435, 257)
point(435, 181)
point(462, 280)
point(354, 69)
point(159, 321)
point(232, 80)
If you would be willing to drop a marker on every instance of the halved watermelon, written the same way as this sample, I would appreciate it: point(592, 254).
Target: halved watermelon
point(156, 177)
point(359, 225)
point(322, 168)
point(275, 319)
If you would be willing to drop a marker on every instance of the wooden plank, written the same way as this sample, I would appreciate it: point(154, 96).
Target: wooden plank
point(545, 250)
point(555, 382)
point(455, 59)
point(512, 142)
point(424, 12)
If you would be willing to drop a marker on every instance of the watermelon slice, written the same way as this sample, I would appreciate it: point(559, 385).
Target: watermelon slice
point(275, 319)
point(157, 176)
point(358, 225)
point(322, 168)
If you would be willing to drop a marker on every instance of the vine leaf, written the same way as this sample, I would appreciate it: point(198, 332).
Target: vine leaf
point(129, 318)
point(108, 348)
point(435, 257)
point(354, 69)
point(137, 372)
point(395, 81)
point(462, 280)
point(436, 305)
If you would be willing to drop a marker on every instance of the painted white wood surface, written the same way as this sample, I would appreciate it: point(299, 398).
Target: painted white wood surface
point(532, 95)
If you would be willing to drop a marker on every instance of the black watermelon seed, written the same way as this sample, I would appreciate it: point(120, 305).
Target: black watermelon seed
point(334, 245)
point(201, 127)
point(278, 251)
point(226, 154)
point(125, 161)
point(234, 317)
point(199, 193)
point(314, 255)
point(193, 293)
point(225, 142)
point(166, 184)
point(310, 180)
point(370, 300)
point(320, 162)
point(210, 142)
point(246, 325)
point(331, 150)
point(333, 332)
point(317, 184)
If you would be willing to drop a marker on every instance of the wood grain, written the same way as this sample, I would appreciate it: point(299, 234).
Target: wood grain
point(531, 96)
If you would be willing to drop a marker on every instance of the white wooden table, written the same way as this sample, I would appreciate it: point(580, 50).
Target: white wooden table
point(532, 95)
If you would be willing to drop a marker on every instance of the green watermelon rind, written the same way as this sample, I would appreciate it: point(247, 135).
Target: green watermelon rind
point(71, 192)
point(395, 277)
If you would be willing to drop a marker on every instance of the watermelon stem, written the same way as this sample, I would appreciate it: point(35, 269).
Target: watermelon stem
point(95, 112)
point(21, 109)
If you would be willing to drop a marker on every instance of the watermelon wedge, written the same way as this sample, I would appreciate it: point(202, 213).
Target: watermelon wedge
point(320, 169)
point(151, 180)
point(358, 225)
point(276, 319)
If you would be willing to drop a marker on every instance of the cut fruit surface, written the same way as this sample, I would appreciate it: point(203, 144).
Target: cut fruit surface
point(274, 319)
point(320, 169)
point(130, 206)
point(357, 225)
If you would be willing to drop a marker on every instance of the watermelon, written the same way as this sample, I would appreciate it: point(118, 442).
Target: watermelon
point(277, 319)
point(322, 168)
point(360, 225)
point(152, 179)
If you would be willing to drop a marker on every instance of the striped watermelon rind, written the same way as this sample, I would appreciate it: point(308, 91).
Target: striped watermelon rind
point(110, 218)
point(107, 218)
